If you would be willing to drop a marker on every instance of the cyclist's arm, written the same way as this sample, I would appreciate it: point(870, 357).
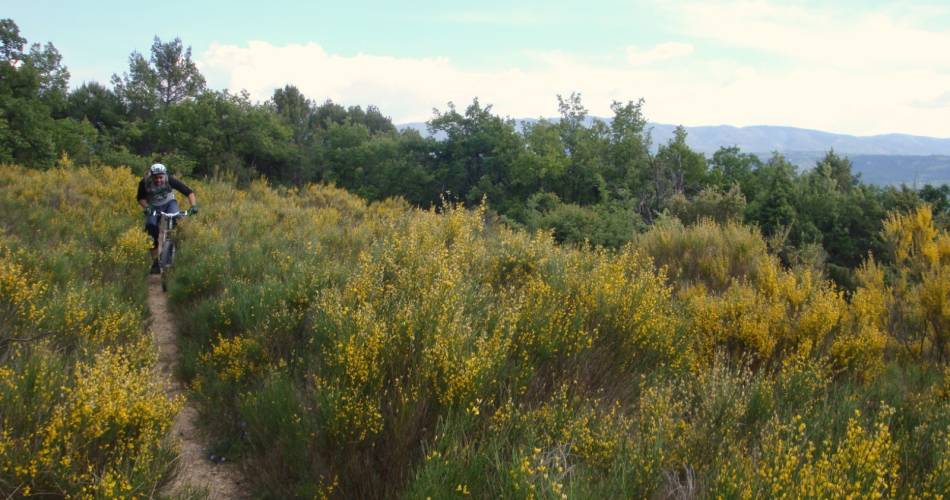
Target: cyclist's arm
point(142, 196)
point(183, 189)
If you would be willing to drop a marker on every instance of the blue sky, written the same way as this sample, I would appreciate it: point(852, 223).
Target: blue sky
point(848, 66)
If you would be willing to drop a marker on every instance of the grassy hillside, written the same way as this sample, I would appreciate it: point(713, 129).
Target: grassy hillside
point(353, 350)
point(377, 351)
point(80, 414)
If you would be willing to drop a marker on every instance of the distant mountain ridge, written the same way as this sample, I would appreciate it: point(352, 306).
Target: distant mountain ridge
point(880, 159)
point(767, 138)
point(763, 138)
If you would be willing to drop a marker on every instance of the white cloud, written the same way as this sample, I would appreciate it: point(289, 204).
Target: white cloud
point(882, 39)
point(866, 75)
point(661, 52)
point(940, 101)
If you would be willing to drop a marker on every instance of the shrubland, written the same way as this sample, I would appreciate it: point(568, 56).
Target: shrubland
point(583, 178)
point(81, 414)
point(559, 309)
point(343, 348)
point(346, 348)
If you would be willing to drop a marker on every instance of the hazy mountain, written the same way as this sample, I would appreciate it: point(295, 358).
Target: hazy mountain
point(768, 138)
point(880, 159)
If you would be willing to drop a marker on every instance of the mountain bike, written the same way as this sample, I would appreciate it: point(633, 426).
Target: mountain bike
point(166, 241)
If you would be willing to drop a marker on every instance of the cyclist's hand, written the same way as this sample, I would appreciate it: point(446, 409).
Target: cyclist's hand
point(193, 210)
point(147, 211)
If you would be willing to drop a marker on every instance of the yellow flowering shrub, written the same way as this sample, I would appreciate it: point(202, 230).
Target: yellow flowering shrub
point(778, 314)
point(453, 356)
point(920, 294)
point(235, 359)
point(112, 419)
point(81, 415)
point(863, 465)
point(859, 349)
point(129, 247)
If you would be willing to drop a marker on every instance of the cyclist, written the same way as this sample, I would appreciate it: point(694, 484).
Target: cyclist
point(155, 194)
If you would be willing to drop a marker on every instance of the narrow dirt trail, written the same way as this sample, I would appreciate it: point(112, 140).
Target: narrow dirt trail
point(195, 472)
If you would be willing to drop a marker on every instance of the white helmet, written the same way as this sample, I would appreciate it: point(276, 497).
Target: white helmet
point(157, 169)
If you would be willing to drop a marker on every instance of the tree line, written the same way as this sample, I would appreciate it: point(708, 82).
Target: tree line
point(586, 180)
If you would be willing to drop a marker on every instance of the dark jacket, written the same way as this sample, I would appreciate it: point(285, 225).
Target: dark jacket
point(156, 195)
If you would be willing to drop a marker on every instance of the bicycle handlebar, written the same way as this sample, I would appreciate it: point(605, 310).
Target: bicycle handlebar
point(173, 215)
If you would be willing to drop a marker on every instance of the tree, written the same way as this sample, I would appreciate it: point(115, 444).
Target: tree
point(32, 88)
point(296, 111)
point(137, 88)
point(479, 150)
point(629, 147)
point(377, 122)
point(772, 208)
point(330, 112)
point(588, 150)
point(686, 168)
point(731, 166)
point(98, 104)
point(223, 132)
point(53, 77)
point(573, 114)
point(542, 164)
point(177, 75)
point(676, 169)
point(839, 169)
point(938, 197)
point(11, 43)
point(167, 78)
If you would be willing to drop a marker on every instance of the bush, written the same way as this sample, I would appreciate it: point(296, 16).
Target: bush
point(80, 411)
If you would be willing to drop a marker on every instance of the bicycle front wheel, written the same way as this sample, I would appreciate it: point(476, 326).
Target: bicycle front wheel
point(167, 255)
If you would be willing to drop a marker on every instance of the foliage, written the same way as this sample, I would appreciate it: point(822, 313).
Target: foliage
point(448, 355)
point(80, 412)
point(919, 307)
point(667, 326)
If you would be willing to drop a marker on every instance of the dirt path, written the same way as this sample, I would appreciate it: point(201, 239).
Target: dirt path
point(196, 473)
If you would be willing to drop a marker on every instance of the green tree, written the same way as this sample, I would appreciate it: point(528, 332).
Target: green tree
point(839, 169)
point(675, 169)
point(296, 111)
point(542, 163)
point(573, 113)
point(730, 166)
point(477, 153)
point(53, 77)
point(629, 147)
point(168, 77)
point(685, 168)
point(98, 104)
point(377, 122)
point(137, 89)
point(222, 132)
point(178, 76)
point(330, 112)
point(772, 208)
point(11, 43)
point(32, 89)
point(588, 150)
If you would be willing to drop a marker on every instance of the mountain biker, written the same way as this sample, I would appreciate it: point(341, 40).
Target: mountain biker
point(155, 194)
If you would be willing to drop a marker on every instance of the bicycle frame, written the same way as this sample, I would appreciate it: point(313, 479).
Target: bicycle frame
point(166, 242)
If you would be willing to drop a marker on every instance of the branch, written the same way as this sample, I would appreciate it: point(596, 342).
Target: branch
point(10, 340)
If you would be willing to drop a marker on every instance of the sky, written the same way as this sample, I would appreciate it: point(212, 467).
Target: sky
point(856, 67)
